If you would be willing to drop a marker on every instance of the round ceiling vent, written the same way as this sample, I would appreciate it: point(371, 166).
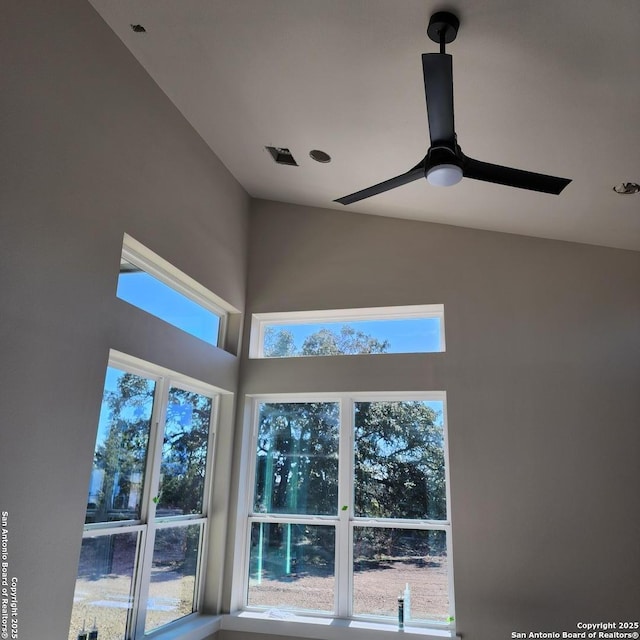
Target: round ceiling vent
point(320, 156)
point(627, 188)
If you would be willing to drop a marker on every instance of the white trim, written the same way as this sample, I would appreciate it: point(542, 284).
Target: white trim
point(259, 321)
point(292, 518)
point(246, 476)
point(344, 551)
point(356, 396)
point(124, 361)
point(322, 628)
point(96, 532)
point(447, 480)
point(142, 257)
point(192, 627)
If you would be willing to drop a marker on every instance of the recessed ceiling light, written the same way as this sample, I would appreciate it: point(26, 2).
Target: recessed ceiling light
point(320, 156)
point(138, 28)
point(627, 188)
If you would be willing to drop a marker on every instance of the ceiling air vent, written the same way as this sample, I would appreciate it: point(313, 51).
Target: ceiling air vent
point(627, 188)
point(282, 155)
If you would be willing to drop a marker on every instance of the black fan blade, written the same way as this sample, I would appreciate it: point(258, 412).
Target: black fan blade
point(438, 88)
point(387, 185)
point(513, 177)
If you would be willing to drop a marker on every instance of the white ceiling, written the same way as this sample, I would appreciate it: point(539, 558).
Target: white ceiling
point(551, 86)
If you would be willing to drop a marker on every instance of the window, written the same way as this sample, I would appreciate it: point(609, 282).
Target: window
point(155, 286)
point(146, 518)
point(349, 505)
point(412, 329)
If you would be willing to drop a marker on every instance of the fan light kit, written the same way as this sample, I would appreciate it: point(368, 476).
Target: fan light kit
point(444, 175)
point(445, 164)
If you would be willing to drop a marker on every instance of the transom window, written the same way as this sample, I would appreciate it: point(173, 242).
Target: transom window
point(349, 507)
point(146, 517)
point(150, 283)
point(410, 329)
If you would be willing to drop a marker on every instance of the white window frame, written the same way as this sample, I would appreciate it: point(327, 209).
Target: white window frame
point(154, 265)
point(344, 521)
point(260, 321)
point(148, 524)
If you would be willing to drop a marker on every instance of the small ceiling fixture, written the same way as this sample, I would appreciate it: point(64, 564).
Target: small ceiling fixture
point(320, 156)
point(138, 28)
point(627, 188)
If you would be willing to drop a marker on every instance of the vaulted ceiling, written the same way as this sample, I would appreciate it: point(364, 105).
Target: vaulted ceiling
point(551, 86)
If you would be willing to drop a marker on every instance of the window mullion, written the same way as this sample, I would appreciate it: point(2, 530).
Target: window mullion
point(154, 454)
point(246, 502)
point(137, 613)
point(151, 491)
point(198, 592)
point(211, 454)
point(345, 499)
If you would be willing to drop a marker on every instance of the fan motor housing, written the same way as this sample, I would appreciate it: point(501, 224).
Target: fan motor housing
point(442, 155)
point(443, 27)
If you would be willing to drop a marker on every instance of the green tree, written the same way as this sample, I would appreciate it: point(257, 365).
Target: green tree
point(184, 452)
point(122, 455)
point(279, 343)
point(297, 458)
point(399, 461)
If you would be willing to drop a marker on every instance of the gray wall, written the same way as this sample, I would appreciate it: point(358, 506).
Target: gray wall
point(542, 372)
point(91, 148)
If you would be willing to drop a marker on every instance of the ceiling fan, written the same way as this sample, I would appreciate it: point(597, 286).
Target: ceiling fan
point(445, 164)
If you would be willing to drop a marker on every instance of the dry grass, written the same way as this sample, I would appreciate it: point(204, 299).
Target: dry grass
point(107, 600)
point(375, 590)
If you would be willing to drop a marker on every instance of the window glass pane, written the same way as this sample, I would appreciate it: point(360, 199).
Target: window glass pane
point(173, 575)
point(115, 490)
point(399, 460)
point(292, 566)
point(297, 458)
point(386, 560)
point(401, 335)
point(184, 453)
point(104, 586)
point(155, 297)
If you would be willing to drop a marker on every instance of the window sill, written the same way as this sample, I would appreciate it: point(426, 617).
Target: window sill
point(196, 627)
point(328, 628)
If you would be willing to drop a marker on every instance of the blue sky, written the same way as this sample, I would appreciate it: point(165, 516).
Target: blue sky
point(155, 297)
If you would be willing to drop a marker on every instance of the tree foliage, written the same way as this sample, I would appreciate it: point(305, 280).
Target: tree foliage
point(122, 455)
point(399, 461)
point(297, 458)
point(184, 459)
point(279, 343)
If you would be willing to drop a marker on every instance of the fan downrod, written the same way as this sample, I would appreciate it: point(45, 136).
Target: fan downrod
point(443, 28)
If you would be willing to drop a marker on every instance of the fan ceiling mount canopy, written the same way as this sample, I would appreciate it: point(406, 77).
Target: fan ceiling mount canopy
point(445, 164)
